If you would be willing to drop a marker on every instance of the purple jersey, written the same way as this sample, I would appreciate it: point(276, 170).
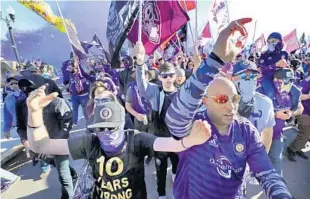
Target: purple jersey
point(215, 169)
point(305, 84)
point(220, 162)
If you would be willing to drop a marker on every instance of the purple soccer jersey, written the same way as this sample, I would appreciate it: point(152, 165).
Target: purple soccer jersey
point(220, 162)
point(215, 169)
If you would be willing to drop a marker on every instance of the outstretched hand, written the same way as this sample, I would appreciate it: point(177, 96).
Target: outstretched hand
point(224, 48)
point(200, 133)
point(37, 99)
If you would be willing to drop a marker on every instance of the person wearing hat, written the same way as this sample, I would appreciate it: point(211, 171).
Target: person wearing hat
point(9, 109)
point(271, 60)
point(57, 117)
point(286, 102)
point(115, 155)
point(253, 105)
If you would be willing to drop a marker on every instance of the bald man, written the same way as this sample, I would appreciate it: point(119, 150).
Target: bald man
point(215, 169)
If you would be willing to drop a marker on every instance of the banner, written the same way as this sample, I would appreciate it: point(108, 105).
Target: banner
point(206, 33)
point(219, 17)
point(260, 42)
point(76, 44)
point(291, 41)
point(45, 11)
point(160, 19)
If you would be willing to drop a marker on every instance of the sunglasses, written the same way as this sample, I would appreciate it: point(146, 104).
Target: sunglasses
point(246, 76)
point(223, 98)
point(164, 76)
point(106, 129)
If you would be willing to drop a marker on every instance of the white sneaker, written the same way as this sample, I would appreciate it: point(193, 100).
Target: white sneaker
point(173, 177)
point(162, 197)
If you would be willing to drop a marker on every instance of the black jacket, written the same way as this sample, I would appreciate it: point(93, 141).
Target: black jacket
point(57, 117)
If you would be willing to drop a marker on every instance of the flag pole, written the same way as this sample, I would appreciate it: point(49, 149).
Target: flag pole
point(196, 21)
point(179, 43)
point(189, 24)
point(140, 21)
point(254, 32)
point(62, 18)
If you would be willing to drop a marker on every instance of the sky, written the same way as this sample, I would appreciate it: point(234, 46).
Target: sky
point(271, 15)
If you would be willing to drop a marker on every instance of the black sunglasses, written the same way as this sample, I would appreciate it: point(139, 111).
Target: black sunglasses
point(164, 76)
point(106, 129)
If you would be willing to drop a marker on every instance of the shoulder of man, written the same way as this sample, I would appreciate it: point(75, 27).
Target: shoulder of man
point(245, 124)
point(263, 99)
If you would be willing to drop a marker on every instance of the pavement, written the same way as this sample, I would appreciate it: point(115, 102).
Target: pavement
point(31, 186)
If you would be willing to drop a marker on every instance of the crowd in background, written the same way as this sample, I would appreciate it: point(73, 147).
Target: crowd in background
point(146, 93)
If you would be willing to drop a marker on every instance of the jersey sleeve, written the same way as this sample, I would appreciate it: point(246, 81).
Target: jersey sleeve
point(260, 164)
point(186, 102)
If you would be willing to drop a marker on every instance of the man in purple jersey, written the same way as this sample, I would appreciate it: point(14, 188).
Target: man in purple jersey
point(215, 169)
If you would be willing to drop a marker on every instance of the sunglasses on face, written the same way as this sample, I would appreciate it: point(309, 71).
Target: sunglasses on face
point(248, 76)
point(106, 129)
point(165, 76)
point(223, 98)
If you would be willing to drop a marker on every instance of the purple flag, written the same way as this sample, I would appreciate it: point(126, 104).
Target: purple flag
point(160, 19)
point(75, 42)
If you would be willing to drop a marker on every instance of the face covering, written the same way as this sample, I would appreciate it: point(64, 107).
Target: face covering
point(246, 88)
point(283, 88)
point(112, 141)
point(275, 46)
point(271, 47)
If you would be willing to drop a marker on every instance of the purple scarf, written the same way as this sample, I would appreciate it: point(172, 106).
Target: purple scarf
point(139, 104)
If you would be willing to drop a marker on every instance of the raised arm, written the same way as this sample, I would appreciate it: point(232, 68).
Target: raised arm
point(145, 88)
point(38, 138)
point(183, 107)
point(87, 76)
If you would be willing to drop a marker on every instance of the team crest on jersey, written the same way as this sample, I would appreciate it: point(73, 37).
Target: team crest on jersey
point(239, 149)
point(151, 25)
point(106, 113)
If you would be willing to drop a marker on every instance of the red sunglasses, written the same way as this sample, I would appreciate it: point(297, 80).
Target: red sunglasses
point(223, 99)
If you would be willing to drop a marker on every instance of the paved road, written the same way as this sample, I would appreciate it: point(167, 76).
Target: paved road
point(31, 186)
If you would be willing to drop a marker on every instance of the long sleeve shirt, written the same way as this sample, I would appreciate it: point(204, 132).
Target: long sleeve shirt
point(220, 162)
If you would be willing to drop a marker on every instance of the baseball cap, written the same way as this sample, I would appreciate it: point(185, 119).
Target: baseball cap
point(284, 73)
point(243, 66)
point(108, 114)
point(15, 77)
point(26, 85)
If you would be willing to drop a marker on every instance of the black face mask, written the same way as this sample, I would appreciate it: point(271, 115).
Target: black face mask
point(246, 109)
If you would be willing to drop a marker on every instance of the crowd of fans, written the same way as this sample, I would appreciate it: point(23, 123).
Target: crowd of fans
point(269, 91)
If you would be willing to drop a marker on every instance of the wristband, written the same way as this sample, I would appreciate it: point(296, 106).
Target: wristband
point(183, 144)
point(216, 58)
point(34, 127)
